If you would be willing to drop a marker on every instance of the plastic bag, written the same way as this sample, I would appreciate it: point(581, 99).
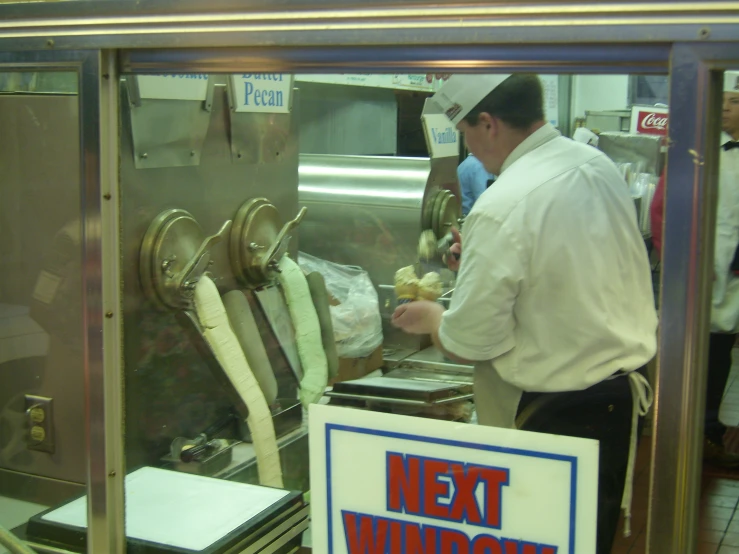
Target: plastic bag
point(356, 319)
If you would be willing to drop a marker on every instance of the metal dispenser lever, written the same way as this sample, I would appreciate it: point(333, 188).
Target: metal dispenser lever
point(257, 242)
point(279, 247)
point(174, 255)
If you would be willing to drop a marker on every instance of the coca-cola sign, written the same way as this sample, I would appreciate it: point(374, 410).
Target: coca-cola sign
point(649, 121)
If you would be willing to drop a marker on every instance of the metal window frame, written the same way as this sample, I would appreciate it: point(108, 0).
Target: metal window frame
point(189, 23)
point(390, 36)
point(687, 276)
point(100, 298)
point(675, 489)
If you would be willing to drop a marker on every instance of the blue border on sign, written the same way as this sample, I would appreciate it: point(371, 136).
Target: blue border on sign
point(572, 460)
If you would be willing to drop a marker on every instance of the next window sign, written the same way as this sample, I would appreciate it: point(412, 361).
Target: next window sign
point(383, 483)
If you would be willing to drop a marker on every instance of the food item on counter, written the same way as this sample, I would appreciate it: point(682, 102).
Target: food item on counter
point(219, 335)
point(245, 328)
point(427, 245)
point(406, 284)
point(307, 331)
point(429, 287)
point(320, 296)
point(408, 287)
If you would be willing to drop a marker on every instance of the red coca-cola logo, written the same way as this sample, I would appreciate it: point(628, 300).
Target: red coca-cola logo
point(652, 123)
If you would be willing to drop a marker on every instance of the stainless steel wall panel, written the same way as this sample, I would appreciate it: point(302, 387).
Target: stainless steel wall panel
point(40, 216)
point(367, 211)
point(170, 391)
point(168, 134)
point(552, 58)
point(347, 120)
point(364, 210)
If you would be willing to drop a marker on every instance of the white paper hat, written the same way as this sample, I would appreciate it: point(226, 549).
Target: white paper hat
point(731, 81)
point(461, 93)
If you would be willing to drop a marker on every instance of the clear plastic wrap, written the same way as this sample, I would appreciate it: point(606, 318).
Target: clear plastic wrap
point(355, 314)
point(642, 191)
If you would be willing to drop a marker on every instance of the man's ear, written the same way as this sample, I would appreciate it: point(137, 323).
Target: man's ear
point(484, 118)
point(490, 124)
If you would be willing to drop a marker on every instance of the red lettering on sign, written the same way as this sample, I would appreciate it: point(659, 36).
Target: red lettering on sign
point(403, 483)
point(420, 541)
point(366, 536)
point(433, 488)
point(396, 537)
point(520, 547)
point(495, 480)
point(453, 542)
point(485, 544)
point(464, 503)
point(422, 486)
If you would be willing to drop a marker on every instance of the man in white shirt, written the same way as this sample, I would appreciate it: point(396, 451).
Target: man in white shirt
point(553, 302)
point(725, 299)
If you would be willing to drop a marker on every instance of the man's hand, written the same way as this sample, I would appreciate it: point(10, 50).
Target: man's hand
point(418, 318)
point(455, 251)
point(424, 318)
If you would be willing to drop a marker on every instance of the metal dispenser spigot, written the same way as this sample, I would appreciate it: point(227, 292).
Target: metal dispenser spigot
point(429, 248)
point(174, 255)
point(441, 213)
point(257, 242)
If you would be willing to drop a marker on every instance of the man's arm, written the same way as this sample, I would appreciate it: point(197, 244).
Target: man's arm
point(451, 355)
point(479, 324)
point(424, 318)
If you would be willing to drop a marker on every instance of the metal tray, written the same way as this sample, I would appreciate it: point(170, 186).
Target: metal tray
point(398, 390)
point(287, 418)
point(400, 401)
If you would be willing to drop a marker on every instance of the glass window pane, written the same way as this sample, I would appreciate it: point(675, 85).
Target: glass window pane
point(198, 151)
point(42, 438)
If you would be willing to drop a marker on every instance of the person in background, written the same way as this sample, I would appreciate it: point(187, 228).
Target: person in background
point(725, 297)
point(474, 179)
point(553, 302)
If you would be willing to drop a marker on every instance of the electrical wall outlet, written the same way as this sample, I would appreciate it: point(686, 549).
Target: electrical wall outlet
point(40, 423)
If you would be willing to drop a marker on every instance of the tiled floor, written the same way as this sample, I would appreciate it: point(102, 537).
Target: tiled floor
point(719, 525)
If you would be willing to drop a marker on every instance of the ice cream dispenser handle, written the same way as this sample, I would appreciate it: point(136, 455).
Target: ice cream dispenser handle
point(174, 254)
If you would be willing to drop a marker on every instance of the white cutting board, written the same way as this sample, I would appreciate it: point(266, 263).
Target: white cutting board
point(179, 509)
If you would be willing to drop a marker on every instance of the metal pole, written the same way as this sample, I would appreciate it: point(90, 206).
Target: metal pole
point(102, 305)
point(687, 275)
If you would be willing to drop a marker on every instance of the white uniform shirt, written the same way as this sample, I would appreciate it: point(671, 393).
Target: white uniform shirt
point(555, 288)
point(725, 309)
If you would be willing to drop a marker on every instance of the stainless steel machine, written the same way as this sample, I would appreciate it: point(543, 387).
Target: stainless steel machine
point(160, 37)
point(199, 195)
point(369, 211)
